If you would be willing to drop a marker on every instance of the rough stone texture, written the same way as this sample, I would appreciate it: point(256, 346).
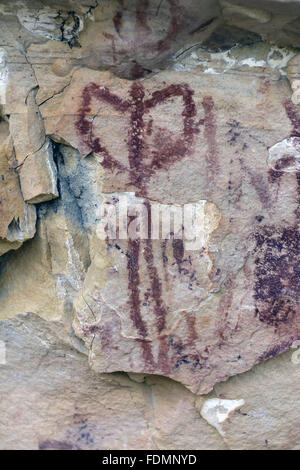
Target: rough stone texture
point(159, 105)
point(52, 400)
point(294, 78)
point(192, 315)
point(17, 219)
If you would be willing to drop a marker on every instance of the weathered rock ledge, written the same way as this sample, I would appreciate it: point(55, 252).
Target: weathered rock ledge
point(169, 109)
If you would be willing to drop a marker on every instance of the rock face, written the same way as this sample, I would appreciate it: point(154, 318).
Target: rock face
point(149, 156)
point(17, 218)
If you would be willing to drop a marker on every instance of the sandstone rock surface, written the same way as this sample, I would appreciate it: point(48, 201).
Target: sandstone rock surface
point(149, 224)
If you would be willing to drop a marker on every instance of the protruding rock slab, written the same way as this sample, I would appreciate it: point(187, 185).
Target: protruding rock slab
point(152, 305)
point(17, 219)
point(37, 171)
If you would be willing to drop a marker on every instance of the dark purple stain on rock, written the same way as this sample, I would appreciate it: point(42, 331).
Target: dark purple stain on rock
point(264, 85)
point(297, 210)
point(139, 172)
point(169, 150)
point(177, 14)
point(141, 17)
point(194, 360)
point(117, 20)
point(277, 275)
point(134, 286)
point(293, 115)
point(94, 329)
point(278, 349)
point(51, 444)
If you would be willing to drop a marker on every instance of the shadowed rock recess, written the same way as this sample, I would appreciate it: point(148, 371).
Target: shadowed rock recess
point(137, 335)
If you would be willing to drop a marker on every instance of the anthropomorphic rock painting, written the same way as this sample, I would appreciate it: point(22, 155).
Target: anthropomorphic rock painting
point(152, 301)
point(149, 224)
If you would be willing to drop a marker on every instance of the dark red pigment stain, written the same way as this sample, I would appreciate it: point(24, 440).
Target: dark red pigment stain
point(234, 131)
point(274, 176)
point(166, 357)
point(264, 85)
point(170, 149)
point(225, 303)
point(293, 115)
point(133, 284)
point(141, 16)
point(84, 125)
point(297, 210)
point(105, 334)
point(113, 45)
point(165, 260)
point(284, 162)
point(160, 309)
point(192, 333)
point(178, 252)
point(177, 15)
point(277, 273)
point(134, 299)
point(261, 188)
point(135, 138)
